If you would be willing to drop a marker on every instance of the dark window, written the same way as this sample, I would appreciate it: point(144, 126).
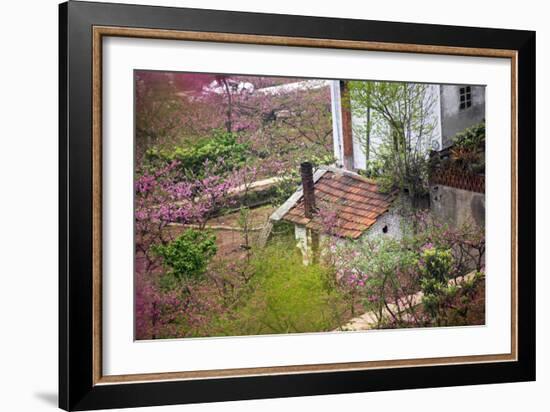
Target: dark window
point(385, 229)
point(465, 97)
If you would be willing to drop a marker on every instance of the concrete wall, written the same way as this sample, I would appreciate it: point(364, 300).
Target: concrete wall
point(457, 206)
point(453, 118)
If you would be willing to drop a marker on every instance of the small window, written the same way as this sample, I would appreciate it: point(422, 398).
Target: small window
point(385, 229)
point(465, 97)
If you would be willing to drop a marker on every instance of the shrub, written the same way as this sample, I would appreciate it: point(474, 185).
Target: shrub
point(468, 151)
point(284, 296)
point(187, 257)
point(222, 150)
point(466, 242)
point(386, 275)
point(435, 265)
point(379, 271)
point(472, 138)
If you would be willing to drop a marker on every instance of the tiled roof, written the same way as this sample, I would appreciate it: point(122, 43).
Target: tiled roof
point(355, 201)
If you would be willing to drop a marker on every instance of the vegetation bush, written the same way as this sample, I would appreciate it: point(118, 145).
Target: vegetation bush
point(187, 257)
point(432, 258)
point(379, 272)
point(466, 242)
point(221, 150)
point(468, 151)
point(467, 154)
point(471, 138)
point(435, 265)
point(284, 296)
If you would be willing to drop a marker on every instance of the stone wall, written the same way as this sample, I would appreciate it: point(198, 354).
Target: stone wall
point(457, 206)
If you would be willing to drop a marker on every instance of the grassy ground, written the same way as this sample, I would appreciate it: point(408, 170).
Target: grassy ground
point(284, 297)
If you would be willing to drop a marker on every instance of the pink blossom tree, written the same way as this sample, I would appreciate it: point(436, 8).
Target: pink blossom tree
point(180, 110)
point(161, 199)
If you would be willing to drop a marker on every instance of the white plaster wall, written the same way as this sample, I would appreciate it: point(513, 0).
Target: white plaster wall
point(392, 219)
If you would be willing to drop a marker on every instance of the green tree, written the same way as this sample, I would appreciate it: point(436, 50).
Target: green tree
point(399, 114)
point(220, 150)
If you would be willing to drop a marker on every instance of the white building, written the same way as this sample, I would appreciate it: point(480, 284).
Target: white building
point(453, 108)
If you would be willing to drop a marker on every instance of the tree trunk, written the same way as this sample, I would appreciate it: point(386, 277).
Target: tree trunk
point(367, 140)
point(229, 112)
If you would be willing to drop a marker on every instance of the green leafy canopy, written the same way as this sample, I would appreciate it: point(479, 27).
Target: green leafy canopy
point(187, 256)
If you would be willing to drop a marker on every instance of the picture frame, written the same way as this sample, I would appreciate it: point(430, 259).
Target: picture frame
point(82, 28)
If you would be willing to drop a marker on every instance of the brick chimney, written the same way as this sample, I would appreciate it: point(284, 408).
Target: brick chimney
point(306, 172)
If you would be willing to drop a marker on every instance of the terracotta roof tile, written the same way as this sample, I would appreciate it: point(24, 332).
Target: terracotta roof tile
point(356, 202)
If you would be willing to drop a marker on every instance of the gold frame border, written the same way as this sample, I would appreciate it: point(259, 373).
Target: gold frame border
point(101, 31)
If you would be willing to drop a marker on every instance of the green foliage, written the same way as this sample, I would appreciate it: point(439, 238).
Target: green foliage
point(285, 187)
point(457, 303)
point(432, 259)
point(284, 297)
point(468, 152)
point(400, 114)
point(374, 169)
point(383, 258)
point(187, 257)
point(466, 242)
point(388, 271)
point(319, 159)
point(472, 138)
point(435, 265)
point(400, 170)
point(222, 150)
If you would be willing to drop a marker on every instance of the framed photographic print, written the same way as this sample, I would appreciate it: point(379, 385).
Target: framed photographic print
point(257, 205)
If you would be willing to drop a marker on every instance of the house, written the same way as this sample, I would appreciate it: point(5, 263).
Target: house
point(357, 205)
point(340, 203)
